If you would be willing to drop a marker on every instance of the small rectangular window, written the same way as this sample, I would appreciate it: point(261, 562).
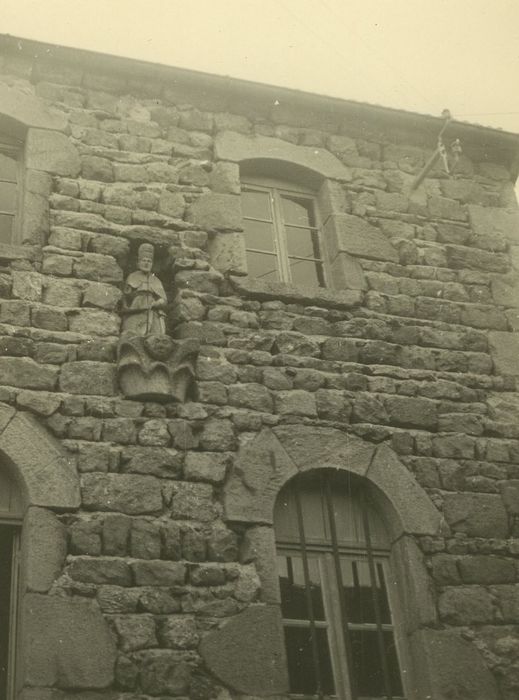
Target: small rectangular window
point(281, 235)
point(9, 189)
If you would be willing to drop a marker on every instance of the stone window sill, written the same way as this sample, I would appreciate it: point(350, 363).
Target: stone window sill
point(296, 294)
point(9, 251)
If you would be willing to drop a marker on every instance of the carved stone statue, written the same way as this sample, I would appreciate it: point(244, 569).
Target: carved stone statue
point(144, 298)
point(151, 365)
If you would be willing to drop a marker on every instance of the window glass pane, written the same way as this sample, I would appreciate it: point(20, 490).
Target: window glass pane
point(301, 668)
point(302, 242)
point(6, 228)
point(367, 666)
point(359, 595)
point(8, 167)
point(293, 590)
point(297, 210)
point(8, 196)
point(6, 552)
point(306, 272)
point(263, 265)
point(256, 204)
point(259, 235)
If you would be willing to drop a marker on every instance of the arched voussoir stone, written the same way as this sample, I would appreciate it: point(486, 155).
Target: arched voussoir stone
point(415, 513)
point(266, 463)
point(47, 474)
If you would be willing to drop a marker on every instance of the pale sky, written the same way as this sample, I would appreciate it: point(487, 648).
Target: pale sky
point(421, 55)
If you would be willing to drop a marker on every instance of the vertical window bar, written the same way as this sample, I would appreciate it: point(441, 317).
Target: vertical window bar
point(338, 575)
point(308, 592)
point(13, 615)
point(376, 601)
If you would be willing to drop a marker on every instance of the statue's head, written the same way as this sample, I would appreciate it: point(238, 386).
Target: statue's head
point(145, 257)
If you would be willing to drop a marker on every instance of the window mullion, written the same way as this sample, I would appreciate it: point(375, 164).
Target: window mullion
point(13, 615)
point(376, 601)
point(280, 236)
point(343, 613)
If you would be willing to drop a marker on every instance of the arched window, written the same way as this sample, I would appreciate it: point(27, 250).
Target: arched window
point(10, 524)
point(281, 228)
point(336, 597)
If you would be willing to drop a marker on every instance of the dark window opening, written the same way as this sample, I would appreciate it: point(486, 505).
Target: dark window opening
point(333, 570)
point(7, 551)
point(9, 189)
point(282, 235)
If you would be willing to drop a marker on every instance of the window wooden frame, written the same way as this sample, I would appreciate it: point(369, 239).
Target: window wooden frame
point(13, 148)
point(11, 526)
point(276, 191)
point(325, 555)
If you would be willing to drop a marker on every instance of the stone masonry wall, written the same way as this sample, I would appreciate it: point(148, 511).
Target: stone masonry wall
point(423, 358)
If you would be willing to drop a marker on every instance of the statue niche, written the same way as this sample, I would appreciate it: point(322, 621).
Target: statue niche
point(150, 364)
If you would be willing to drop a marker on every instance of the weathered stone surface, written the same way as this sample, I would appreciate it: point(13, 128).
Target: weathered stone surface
point(487, 569)
point(29, 110)
point(126, 493)
point(477, 515)
point(47, 545)
point(346, 233)
point(114, 572)
point(491, 220)
point(504, 349)
point(206, 466)
point(86, 377)
point(414, 512)
point(215, 211)
point(178, 632)
point(49, 475)
point(25, 373)
point(227, 253)
point(158, 573)
point(296, 402)
point(163, 671)
point(192, 501)
point(228, 650)
point(449, 667)
point(237, 147)
point(466, 606)
point(87, 658)
point(52, 152)
point(135, 632)
point(156, 461)
point(300, 294)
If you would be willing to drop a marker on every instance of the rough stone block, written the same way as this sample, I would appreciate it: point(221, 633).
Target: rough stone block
point(87, 658)
point(296, 402)
point(230, 649)
point(192, 502)
point(94, 322)
point(98, 267)
point(47, 547)
point(476, 514)
point(346, 233)
point(215, 211)
point(52, 152)
point(158, 573)
point(504, 350)
point(25, 373)
point(466, 606)
point(35, 220)
point(487, 221)
point(207, 466)
point(448, 667)
point(235, 147)
point(125, 493)
point(86, 377)
point(227, 253)
point(114, 572)
point(135, 632)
